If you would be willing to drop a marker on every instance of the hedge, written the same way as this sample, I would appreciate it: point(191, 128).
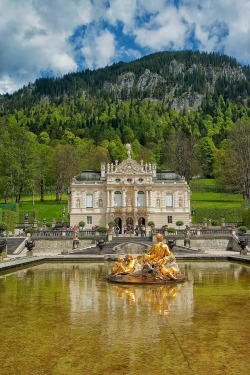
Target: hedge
point(246, 217)
point(231, 214)
point(9, 217)
point(17, 212)
point(32, 216)
point(246, 203)
point(1, 214)
point(7, 206)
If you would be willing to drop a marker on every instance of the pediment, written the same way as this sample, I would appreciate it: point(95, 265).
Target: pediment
point(129, 166)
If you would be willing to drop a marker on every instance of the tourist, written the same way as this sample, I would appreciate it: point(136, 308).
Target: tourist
point(117, 231)
point(124, 229)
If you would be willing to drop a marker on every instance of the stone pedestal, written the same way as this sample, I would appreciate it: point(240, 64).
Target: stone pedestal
point(65, 252)
point(1, 258)
point(30, 253)
point(154, 237)
point(243, 251)
point(35, 223)
point(110, 235)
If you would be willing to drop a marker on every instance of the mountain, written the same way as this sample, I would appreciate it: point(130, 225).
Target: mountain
point(181, 80)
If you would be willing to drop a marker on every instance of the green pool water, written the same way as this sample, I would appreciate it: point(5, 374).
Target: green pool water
point(65, 318)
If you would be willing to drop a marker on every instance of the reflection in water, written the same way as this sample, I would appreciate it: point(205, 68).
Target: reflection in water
point(161, 298)
point(58, 319)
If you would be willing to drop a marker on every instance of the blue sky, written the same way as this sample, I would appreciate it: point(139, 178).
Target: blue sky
point(54, 37)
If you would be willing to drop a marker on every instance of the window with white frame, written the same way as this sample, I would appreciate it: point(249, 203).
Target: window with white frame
point(118, 199)
point(89, 219)
point(89, 200)
point(169, 200)
point(170, 219)
point(141, 199)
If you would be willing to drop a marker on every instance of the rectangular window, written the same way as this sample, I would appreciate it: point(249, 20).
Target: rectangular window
point(170, 219)
point(89, 219)
point(169, 200)
point(89, 200)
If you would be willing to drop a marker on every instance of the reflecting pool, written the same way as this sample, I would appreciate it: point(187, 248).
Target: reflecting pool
point(65, 318)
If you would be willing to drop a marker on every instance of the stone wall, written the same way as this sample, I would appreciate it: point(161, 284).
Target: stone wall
point(219, 243)
point(58, 245)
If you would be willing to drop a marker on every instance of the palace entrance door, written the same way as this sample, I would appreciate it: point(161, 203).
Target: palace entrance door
point(118, 222)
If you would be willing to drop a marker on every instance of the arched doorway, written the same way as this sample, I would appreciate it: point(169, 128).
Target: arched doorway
point(118, 222)
point(141, 221)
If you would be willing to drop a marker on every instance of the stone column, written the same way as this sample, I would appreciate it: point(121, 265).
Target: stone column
point(135, 198)
point(108, 198)
point(150, 198)
point(147, 198)
point(123, 197)
point(112, 199)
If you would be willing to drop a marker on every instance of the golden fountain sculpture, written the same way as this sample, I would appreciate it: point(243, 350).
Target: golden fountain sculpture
point(158, 266)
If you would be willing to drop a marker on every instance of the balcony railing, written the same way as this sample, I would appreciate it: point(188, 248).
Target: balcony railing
point(63, 233)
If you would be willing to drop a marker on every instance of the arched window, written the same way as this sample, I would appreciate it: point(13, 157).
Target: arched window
point(141, 199)
point(118, 199)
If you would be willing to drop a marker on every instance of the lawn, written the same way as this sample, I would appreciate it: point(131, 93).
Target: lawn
point(216, 199)
point(48, 209)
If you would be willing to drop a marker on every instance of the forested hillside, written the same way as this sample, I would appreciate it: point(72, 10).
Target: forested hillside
point(188, 111)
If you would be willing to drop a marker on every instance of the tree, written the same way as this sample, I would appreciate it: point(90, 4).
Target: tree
point(179, 155)
point(233, 160)
point(205, 154)
point(64, 165)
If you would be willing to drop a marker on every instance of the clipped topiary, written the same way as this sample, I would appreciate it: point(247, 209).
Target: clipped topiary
point(242, 229)
point(151, 223)
point(215, 223)
point(102, 230)
point(171, 230)
point(111, 223)
point(82, 223)
point(179, 223)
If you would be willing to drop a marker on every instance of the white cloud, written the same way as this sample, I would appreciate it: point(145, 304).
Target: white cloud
point(8, 84)
point(166, 30)
point(98, 50)
point(35, 34)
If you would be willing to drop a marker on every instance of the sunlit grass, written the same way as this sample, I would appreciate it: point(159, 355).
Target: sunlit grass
point(49, 209)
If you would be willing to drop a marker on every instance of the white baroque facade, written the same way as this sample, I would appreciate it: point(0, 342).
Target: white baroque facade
point(129, 193)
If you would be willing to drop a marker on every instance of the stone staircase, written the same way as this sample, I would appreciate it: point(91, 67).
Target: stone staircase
point(13, 243)
point(109, 248)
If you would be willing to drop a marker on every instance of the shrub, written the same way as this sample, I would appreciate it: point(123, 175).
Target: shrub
point(102, 230)
point(179, 223)
point(215, 223)
point(3, 226)
point(151, 223)
point(82, 223)
point(171, 230)
point(10, 220)
point(242, 229)
point(111, 223)
point(49, 225)
point(30, 230)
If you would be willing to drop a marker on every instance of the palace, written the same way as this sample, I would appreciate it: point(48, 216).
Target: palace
point(129, 193)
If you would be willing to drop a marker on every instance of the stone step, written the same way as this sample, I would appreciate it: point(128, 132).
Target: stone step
point(13, 243)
